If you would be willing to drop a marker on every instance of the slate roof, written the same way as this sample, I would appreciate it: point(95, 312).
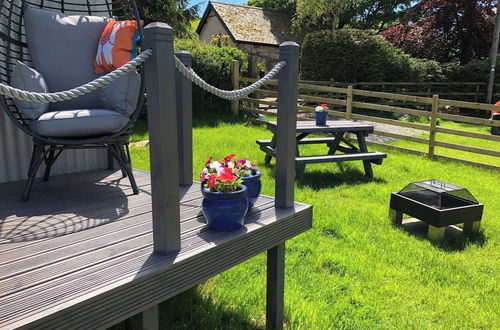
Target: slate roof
point(251, 24)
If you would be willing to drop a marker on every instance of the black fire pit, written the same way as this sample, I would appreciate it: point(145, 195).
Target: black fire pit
point(438, 204)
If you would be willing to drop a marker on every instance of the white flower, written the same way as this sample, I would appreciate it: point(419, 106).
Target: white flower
point(319, 108)
point(248, 164)
point(215, 165)
point(230, 164)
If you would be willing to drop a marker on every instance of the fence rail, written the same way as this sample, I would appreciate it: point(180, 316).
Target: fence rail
point(344, 100)
point(470, 91)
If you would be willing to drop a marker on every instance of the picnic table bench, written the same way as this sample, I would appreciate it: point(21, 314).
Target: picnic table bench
point(339, 129)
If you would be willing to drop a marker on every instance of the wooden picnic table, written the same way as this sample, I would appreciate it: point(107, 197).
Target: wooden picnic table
point(339, 129)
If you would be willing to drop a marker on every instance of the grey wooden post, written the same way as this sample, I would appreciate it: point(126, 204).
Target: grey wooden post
point(147, 320)
point(288, 80)
point(275, 286)
point(184, 99)
point(162, 122)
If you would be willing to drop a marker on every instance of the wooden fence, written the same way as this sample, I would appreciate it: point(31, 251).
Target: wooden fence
point(344, 100)
point(462, 91)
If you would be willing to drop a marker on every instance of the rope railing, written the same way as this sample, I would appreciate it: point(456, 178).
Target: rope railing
point(89, 87)
point(77, 91)
point(228, 95)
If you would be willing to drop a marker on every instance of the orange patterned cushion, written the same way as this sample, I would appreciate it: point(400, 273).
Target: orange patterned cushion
point(117, 46)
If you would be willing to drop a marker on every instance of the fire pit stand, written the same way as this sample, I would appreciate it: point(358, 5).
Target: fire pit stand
point(438, 204)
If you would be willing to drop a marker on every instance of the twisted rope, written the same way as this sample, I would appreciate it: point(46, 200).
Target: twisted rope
point(228, 95)
point(77, 91)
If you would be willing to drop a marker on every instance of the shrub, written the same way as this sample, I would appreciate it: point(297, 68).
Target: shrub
point(213, 64)
point(358, 55)
point(474, 71)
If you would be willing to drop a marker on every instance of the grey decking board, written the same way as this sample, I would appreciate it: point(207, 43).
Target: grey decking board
point(80, 199)
point(73, 262)
point(30, 275)
point(59, 289)
point(143, 198)
point(189, 212)
point(53, 196)
point(94, 274)
point(164, 285)
point(31, 299)
point(44, 190)
point(95, 211)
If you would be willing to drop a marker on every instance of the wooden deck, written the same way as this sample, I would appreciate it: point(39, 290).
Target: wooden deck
point(78, 255)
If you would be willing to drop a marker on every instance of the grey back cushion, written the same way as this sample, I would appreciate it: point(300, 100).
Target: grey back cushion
point(28, 79)
point(122, 94)
point(63, 49)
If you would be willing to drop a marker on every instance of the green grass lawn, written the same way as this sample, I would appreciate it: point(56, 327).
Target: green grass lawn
point(353, 270)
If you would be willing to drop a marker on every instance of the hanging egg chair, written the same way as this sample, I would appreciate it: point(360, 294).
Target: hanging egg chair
point(58, 41)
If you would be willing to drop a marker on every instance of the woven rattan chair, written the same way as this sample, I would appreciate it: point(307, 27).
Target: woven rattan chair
point(13, 47)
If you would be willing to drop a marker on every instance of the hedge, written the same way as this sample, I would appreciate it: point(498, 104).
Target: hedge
point(350, 55)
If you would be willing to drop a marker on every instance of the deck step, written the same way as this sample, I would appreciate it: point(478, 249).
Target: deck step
point(373, 156)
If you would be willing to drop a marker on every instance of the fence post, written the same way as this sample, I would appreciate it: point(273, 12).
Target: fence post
point(348, 108)
point(184, 100)
point(432, 135)
point(162, 123)
point(288, 82)
point(235, 70)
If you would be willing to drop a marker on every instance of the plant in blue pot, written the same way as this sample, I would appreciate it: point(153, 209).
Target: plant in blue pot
point(250, 177)
point(321, 112)
point(225, 201)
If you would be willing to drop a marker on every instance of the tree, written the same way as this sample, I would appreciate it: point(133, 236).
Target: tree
point(445, 30)
point(313, 15)
point(282, 5)
point(372, 14)
point(175, 13)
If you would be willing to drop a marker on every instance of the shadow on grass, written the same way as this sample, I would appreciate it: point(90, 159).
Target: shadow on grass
point(189, 310)
point(201, 119)
point(317, 180)
point(454, 239)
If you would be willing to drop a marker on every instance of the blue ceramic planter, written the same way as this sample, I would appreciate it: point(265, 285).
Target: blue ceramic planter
point(225, 211)
point(321, 118)
point(254, 187)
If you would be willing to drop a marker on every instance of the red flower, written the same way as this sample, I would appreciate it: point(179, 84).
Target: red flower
point(208, 161)
point(324, 105)
point(211, 181)
point(227, 159)
point(227, 175)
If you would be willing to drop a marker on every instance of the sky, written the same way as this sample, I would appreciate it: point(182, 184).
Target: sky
point(205, 2)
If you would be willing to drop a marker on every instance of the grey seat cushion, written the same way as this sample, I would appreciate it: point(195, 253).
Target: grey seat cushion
point(79, 123)
point(28, 79)
point(63, 49)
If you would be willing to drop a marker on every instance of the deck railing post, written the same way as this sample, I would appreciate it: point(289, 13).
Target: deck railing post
point(184, 100)
point(235, 72)
point(162, 122)
point(288, 82)
point(432, 133)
